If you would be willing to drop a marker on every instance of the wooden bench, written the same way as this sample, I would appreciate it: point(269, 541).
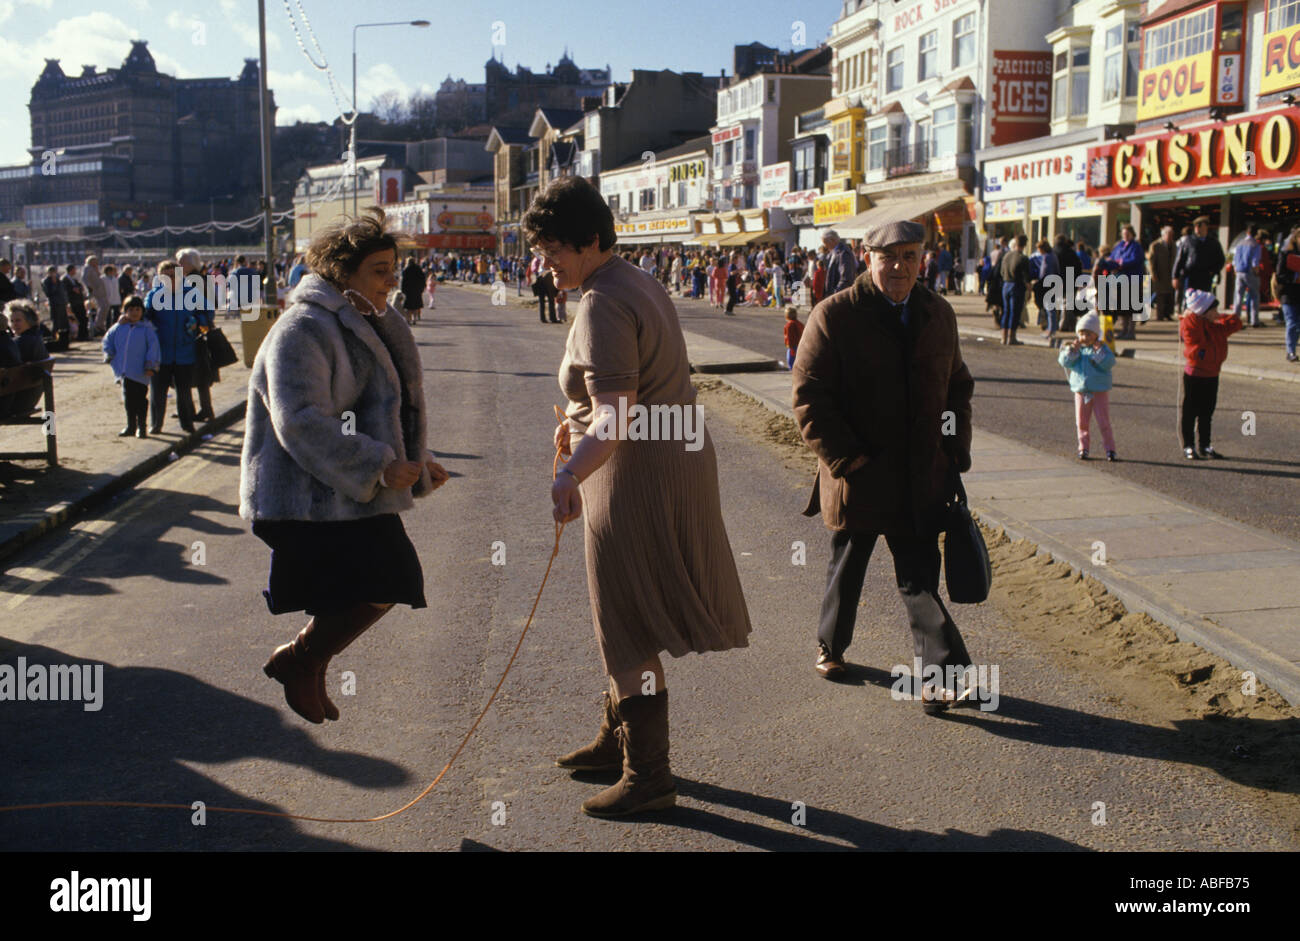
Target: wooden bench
point(38, 375)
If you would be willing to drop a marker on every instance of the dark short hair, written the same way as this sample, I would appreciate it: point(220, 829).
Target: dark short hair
point(338, 252)
point(572, 212)
point(133, 300)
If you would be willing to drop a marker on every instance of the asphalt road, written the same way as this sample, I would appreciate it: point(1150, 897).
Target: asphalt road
point(188, 716)
point(1021, 393)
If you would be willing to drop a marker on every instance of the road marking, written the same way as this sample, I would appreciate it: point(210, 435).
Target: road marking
point(87, 536)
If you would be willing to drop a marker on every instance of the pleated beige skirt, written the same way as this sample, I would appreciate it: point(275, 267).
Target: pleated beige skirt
point(660, 569)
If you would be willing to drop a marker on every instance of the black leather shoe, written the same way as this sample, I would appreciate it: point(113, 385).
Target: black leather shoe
point(832, 668)
point(126, 432)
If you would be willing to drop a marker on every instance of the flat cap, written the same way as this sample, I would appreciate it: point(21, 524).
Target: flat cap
point(894, 233)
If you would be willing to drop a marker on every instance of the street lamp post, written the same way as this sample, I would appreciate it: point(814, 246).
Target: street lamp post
point(353, 148)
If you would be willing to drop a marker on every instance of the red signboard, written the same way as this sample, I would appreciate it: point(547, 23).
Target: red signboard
point(1022, 96)
point(445, 242)
point(730, 133)
point(1242, 152)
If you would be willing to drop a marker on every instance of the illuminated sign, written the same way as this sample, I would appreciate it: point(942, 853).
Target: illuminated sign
point(682, 172)
point(1259, 149)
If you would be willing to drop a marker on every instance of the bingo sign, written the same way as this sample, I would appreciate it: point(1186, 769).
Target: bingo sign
point(1281, 60)
point(1022, 96)
point(773, 184)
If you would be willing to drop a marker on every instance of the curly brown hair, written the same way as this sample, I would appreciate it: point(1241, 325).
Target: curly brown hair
point(338, 252)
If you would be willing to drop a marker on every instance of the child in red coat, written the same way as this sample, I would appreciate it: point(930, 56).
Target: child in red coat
point(1205, 333)
point(793, 331)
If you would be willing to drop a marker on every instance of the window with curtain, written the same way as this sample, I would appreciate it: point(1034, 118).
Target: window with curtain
point(963, 40)
point(876, 139)
point(894, 69)
point(945, 131)
point(1079, 81)
point(928, 54)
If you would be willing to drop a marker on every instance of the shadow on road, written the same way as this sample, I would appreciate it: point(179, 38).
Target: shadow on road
point(136, 747)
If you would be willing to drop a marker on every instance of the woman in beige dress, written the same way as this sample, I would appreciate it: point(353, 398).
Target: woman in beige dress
point(640, 463)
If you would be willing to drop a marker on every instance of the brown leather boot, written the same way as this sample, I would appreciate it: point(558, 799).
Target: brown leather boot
point(301, 665)
point(647, 782)
point(334, 634)
point(606, 752)
point(293, 666)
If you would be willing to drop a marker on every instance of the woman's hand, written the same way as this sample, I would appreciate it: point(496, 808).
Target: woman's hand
point(437, 472)
point(401, 475)
point(562, 439)
point(565, 496)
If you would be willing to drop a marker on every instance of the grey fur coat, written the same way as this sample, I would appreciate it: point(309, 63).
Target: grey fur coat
point(304, 458)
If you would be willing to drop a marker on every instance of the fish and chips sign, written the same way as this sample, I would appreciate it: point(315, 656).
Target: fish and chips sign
point(1254, 150)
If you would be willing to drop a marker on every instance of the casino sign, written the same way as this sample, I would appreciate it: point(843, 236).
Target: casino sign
point(1256, 149)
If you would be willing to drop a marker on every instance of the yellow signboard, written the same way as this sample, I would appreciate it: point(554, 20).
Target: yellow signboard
point(1177, 86)
point(655, 226)
point(828, 210)
point(1281, 60)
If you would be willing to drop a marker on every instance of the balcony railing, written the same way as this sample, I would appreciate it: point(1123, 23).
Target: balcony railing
point(901, 161)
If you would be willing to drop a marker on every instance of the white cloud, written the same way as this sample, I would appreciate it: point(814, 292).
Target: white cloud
point(308, 113)
point(375, 81)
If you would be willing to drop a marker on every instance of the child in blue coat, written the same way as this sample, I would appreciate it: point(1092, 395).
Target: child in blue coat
point(131, 346)
point(1088, 363)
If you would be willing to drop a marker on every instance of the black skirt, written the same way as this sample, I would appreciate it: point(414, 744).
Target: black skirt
point(326, 568)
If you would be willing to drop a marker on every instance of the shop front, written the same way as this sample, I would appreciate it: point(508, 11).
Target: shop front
point(650, 230)
point(835, 210)
point(733, 231)
point(1238, 172)
point(1041, 194)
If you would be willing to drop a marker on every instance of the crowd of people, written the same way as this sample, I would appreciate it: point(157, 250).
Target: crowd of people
point(1265, 273)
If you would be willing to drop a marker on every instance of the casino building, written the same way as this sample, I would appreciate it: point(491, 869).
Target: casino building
point(1217, 128)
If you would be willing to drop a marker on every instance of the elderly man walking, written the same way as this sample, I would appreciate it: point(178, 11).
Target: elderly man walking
point(841, 266)
point(883, 399)
point(1161, 254)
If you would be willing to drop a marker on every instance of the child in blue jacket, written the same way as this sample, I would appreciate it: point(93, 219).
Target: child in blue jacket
point(1088, 363)
point(131, 346)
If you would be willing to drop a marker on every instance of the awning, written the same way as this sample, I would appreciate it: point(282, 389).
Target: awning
point(898, 210)
point(743, 238)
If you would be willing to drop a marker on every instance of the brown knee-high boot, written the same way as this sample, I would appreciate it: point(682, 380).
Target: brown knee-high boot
point(647, 782)
point(606, 752)
point(301, 664)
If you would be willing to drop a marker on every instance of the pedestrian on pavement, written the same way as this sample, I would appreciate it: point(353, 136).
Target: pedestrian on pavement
point(1267, 265)
point(944, 262)
point(57, 297)
point(334, 449)
point(1184, 238)
point(22, 290)
point(190, 263)
point(112, 290)
point(1161, 255)
point(733, 287)
point(1287, 278)
point(1088, 363)
point(1246, 259)
point(993, 302)
point(7, 290)
point(718, 282)
point(178, 331)
point(1200, 259)
point(792, 332)
point(1048, 290)
point(1131, 265)
point(413, 282)
point(76, 294)
point(1205, 335)
point(131, 347)
point(660, 568)
point(841, 265)
point(544, 288)
point(878, 373)
point(1014, 273)
point(97, 291)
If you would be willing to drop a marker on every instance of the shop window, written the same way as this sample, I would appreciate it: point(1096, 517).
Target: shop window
point(749, 146)
point(647, 200)
point(963, 40)
point(928, 53)
point(1186, 36)
point(894, 69)
point(1281, 14)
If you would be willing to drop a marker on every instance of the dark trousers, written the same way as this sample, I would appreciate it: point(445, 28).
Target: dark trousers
point(1200, 395)
point(83, 325)
point(542, 301)
point(135, 396)
point(935, 638)
point(183, 378)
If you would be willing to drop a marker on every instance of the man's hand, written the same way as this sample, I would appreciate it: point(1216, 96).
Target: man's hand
point(859, 462)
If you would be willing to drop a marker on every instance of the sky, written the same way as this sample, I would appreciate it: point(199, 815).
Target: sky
point(211, 38)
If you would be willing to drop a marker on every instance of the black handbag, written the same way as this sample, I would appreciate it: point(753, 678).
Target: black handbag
point(220, 352)
point(966, 567)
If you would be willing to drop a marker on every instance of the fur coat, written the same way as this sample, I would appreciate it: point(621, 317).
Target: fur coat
point(325, 412)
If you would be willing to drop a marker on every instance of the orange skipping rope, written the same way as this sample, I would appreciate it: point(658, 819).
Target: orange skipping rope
point(555, 551)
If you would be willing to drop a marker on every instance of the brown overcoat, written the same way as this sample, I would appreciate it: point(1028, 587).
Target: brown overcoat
point(865, 386)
